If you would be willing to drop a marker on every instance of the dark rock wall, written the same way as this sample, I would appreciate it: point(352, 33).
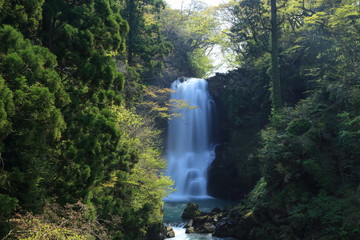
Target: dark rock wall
point(243, 107)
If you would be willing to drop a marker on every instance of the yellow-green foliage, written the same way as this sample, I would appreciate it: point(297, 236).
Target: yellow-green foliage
point(257, 193)
point(149, 184)
point(156, 103)
point(193, 33)
point(30, 227)
point(42, 231)
point(69, 222)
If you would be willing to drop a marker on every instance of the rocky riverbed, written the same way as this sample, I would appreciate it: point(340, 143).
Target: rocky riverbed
point(192, 221)
point(232, 222)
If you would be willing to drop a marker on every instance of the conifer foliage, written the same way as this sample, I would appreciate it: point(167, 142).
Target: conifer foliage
point(65, 137)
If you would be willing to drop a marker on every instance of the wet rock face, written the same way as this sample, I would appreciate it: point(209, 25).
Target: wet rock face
point(169, 232)
point(242, 103)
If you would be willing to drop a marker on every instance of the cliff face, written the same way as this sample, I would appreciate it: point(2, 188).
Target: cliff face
point(243, 106)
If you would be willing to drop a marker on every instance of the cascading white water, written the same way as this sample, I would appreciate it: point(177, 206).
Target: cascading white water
point(190, 147)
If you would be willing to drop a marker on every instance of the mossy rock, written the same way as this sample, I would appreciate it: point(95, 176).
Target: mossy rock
point(191, 211)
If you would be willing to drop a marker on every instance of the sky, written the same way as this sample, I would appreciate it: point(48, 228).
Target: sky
point(177, 3)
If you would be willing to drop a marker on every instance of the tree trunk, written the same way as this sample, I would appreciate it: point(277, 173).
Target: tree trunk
point(131, 11)
point(275, 70)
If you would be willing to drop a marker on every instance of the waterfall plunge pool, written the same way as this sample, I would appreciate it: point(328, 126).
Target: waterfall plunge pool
point(174, 209)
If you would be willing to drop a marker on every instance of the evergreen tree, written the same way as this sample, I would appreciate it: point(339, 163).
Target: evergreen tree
point(146, 47)
point(32, 121)
point(59, 136)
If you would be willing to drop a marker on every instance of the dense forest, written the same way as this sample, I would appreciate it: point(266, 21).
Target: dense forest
point(83, 110)
point(296, 148)
point(77, 160)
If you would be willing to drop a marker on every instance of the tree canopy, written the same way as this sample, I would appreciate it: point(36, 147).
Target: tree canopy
point(309, 178)
point(81, 100)
point(193, 31)
point(65, 135)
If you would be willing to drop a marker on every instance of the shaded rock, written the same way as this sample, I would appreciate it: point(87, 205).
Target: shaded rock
point(205, 223)
point(216, 211)
point(207, 227)
point(200, 222)
point(239, 224)
point(190, 211)
point(225, 227)
point(189, 223)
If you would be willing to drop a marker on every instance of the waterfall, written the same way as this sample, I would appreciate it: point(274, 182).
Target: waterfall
point(190, 147)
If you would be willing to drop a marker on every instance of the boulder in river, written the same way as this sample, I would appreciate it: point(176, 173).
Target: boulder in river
point(200, 222)
point(169, 232)
point(191, 210)
point(190, 230)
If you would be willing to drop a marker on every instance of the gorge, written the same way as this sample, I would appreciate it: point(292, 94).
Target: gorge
point(84, 110)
